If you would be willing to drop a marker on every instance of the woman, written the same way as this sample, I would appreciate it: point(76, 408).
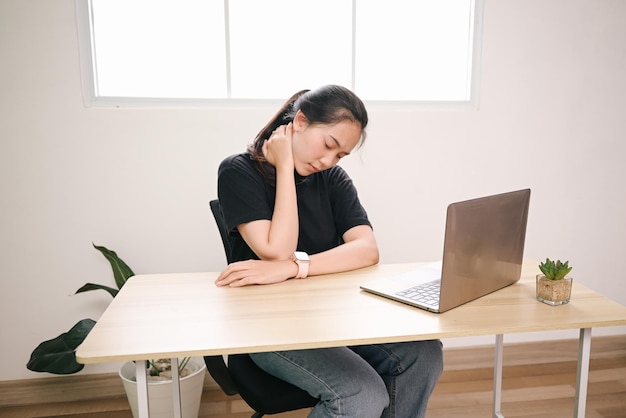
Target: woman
point(285, 201)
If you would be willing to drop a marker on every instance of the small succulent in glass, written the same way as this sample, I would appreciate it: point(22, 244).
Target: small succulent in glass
point(554, 286)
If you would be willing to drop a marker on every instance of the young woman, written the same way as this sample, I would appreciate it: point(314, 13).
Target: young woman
point(285, 201)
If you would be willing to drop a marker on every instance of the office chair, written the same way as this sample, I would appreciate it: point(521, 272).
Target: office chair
point(263, 392)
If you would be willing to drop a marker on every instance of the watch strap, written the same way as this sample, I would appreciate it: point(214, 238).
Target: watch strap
point(302, 260)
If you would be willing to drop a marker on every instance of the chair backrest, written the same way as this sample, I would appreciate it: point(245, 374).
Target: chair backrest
point(215, 364)
point(216, 209)
point(263, 392)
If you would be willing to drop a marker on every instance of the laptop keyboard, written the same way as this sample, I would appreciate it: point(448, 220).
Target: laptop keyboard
point(426, 293)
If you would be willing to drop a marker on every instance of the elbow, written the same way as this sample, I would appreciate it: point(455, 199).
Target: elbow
point(374, 256)
point(370, 255)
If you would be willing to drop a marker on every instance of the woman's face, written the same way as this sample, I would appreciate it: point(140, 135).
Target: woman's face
point(319, 147)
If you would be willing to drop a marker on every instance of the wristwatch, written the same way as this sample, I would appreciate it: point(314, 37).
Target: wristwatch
point(302, 260)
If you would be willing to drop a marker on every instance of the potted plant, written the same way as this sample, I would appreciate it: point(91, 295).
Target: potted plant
point(160, 398)
point(58, 356)
point(554, 286)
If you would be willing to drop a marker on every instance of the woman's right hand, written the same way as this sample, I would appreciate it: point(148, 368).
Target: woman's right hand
point(244, 273)
point(278, 148)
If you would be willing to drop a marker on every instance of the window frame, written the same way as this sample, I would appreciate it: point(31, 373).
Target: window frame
point(90, 99)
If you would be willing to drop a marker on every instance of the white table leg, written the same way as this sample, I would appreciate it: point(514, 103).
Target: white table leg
point(497, 378)
point(582, 375)
point(142, 389)
point(176, 389)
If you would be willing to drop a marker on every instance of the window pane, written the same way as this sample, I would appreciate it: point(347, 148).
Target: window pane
point(159, 48)
point(413, 49)
point(281, 46)
point(404, 50)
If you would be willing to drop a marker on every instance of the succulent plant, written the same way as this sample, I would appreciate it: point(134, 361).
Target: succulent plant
point(555, 270)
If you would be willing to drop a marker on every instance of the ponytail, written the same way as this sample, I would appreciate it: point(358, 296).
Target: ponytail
point(282, 117)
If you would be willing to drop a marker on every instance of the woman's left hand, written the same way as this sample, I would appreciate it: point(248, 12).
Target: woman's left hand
point(243, 273)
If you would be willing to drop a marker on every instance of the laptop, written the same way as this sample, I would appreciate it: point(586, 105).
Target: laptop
point(482, 252)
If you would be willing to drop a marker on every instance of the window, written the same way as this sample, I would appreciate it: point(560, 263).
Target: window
point(203, 51)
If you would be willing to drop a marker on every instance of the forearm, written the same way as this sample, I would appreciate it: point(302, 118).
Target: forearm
point(283, 232)
point(359, 251)
point(348, 256)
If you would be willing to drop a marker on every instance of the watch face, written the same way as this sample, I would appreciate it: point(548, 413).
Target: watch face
point(301, 256)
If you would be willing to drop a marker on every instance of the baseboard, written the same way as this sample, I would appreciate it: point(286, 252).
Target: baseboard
point(68, 389)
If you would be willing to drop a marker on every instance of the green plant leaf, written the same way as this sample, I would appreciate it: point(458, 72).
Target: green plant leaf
point(58, 355)
point(555, 270)
point(121, 271)
point(92, 286)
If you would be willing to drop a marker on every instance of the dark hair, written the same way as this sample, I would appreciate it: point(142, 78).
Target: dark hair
point(326, 105)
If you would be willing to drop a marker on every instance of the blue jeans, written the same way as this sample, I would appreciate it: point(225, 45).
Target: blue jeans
point(383, 380)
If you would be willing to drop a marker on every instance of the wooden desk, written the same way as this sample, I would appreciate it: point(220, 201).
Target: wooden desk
point(178, 315)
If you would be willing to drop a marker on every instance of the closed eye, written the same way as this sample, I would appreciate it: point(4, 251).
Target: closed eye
point(335, 144)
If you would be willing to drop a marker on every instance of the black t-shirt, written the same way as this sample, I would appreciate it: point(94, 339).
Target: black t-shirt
point(328, 205)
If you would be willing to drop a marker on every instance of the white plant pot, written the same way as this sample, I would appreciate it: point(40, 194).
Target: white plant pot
point(160, 398)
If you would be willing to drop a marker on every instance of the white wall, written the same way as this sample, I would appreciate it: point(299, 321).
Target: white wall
point(552, 117)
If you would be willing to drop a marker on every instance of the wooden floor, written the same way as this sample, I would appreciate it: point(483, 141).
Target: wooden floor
point(539, 381)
